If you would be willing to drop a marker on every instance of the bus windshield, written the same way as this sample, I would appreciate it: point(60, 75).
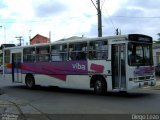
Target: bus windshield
point(140, 54)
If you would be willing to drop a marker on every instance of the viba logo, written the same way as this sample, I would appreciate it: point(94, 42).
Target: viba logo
point(79, 66)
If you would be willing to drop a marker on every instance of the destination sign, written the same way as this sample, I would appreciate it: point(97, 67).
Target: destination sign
point(140, 38)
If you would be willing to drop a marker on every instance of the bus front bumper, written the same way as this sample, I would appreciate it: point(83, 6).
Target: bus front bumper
point(141, 84)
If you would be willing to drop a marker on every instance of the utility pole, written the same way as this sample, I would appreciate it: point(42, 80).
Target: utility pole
point(49, 40)
point(20, 40)
point(99, 19)
point(98, 8)
point(118, 31)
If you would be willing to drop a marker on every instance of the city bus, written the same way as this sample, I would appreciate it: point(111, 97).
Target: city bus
point(113, 63)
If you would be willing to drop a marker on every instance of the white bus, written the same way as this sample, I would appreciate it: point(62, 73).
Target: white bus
point(114, 63)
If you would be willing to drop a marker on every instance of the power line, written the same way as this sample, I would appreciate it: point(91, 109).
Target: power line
point(9, 21)
point(94, 4)
point(24, 21)
point(147, 17)
point(110, 19)
point(103, 3)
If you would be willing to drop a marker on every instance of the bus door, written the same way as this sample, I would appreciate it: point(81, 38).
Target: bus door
point(118, 66)
point(16, 64)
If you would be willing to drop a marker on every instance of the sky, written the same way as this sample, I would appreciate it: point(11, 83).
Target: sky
point(66, 18)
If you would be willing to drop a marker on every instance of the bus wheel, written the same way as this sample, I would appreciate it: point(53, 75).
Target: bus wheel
point(100, 86)
point(30, 82)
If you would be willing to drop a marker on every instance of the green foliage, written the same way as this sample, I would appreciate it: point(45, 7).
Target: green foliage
point(158, 40)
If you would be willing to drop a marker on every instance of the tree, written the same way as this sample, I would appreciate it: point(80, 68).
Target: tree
point(158, 40)
point(158, 36)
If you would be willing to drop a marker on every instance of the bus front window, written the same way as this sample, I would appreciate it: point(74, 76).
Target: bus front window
point(139, 54)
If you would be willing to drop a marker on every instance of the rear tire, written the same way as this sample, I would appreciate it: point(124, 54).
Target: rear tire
point(30, 82)
point(100, 86)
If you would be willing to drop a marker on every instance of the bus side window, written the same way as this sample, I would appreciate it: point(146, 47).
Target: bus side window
point(29, 54)
point(92, 52)
point(7, 56)
point(43, 53)
point(77, 51)
point(59, 52)
point(98, 50)
point(72, 54)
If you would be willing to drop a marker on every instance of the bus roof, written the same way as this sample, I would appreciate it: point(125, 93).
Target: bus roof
point(81, 40)
point(7, 45)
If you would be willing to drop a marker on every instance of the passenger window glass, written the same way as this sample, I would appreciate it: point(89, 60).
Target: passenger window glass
point(43, 53)
point(78, 51)
point(7, 56)
point(29, 54)
point(59, 52)
point(98, 50)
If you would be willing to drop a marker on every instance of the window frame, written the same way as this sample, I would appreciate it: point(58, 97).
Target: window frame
point(7, 57)
point(78, 54)
point(32, 54)
point(97, 52)
point(43, 53)
point(61, 52)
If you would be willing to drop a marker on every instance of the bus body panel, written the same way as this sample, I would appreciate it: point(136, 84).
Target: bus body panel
point(115, 69)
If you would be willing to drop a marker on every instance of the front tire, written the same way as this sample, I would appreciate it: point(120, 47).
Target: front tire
point(100, 86)
point(30, 82)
